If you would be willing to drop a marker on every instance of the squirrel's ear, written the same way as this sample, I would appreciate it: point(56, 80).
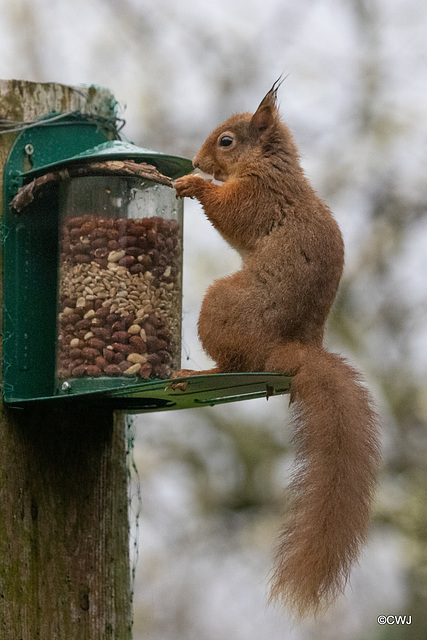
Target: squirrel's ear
point(263, 117)
point(267, 112)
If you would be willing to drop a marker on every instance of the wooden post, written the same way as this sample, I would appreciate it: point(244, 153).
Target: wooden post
point(64, 559)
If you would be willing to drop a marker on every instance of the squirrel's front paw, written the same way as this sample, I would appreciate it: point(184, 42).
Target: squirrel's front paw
point(188, 186)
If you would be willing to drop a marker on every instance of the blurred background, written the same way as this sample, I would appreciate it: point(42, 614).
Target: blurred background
point(211, 484)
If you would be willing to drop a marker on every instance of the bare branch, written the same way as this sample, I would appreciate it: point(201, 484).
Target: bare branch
point(129, 168)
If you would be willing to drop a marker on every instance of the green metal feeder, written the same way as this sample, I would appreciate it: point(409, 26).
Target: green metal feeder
point(92, 264)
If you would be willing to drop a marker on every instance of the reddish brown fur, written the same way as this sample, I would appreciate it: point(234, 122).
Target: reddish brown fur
point(270, 316)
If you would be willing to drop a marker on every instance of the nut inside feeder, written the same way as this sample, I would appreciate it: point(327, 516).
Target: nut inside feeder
point(120, 277)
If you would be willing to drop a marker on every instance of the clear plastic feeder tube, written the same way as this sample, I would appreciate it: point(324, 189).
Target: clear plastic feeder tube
point(120, 279)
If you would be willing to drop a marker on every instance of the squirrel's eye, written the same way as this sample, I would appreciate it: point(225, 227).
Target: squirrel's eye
point(225, 141)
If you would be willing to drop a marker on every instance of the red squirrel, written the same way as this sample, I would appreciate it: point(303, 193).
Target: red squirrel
point(270, 316)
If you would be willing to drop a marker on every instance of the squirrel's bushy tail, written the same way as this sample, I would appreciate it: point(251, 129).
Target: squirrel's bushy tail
point(337, 457)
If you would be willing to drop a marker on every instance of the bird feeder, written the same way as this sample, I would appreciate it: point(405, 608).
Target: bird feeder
point(92, 276)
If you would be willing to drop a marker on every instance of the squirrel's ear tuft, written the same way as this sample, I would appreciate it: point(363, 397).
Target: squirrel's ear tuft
point(267, 112)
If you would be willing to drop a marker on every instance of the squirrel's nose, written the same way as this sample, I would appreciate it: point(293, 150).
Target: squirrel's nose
point(195, 162)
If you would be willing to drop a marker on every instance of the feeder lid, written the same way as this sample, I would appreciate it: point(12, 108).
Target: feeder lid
point(172, 166)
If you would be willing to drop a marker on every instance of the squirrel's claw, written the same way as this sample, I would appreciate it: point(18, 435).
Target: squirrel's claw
point(185, 186)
